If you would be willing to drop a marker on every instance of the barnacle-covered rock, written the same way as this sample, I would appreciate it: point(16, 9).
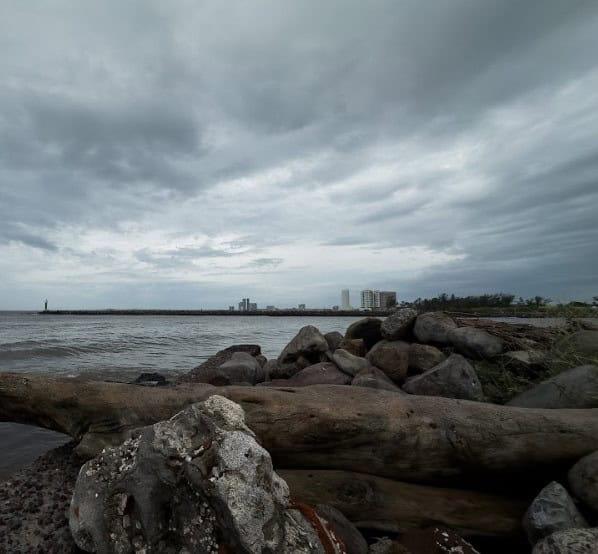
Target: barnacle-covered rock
point(198, 482)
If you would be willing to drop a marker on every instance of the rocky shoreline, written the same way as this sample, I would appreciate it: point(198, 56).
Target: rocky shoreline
point(387, 438)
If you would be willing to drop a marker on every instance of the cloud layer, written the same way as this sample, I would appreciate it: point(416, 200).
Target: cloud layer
point(188, 154)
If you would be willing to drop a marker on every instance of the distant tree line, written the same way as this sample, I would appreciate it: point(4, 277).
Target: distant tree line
point(499, 300)
point(445, 301)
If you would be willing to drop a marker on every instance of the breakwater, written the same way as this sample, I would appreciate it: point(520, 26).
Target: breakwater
point(272, 313)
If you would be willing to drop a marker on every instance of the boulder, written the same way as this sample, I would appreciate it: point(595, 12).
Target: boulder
point(354, 346)
point(392, 358)
point(572, 541)
point(423, 357)
point(324, 373)
point(453, 378)
point(552, 510)
point(351, 538)
point(151, 380)
point(374, 378)
point(349, 363)
point(222, 356)
point(241, 368)
point(306, 347)
point(583, 480)
point(367, 329)
point(399, 324)
point(475, 343)
point(198, 482)
point(433, 328)
point(573, 388)
point(334, 340)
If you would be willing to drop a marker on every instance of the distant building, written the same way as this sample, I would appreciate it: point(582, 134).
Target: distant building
point(369, 299)
point(251, 306)
point(231, 308)
point(302, 306)
point(388, 299)
point(270, 308)
point(378, 300)
point(345, 299)
point(335, 308)
point(244, 305)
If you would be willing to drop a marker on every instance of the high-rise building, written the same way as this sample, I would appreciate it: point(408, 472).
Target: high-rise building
point(251, 306)
point(368, 299)
point(302, 306)
point(245, 305)
point(345, 300)
point(377, 300)
point(388, 299)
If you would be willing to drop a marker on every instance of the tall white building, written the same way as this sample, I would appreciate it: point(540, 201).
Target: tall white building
point(370, 299)
point(345, 300)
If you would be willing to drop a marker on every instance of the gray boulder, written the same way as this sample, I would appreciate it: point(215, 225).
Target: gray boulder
point(367, 329)
point(324, 373)
point(198, 482)
point(306, 348)
point(374, 378)
point(475, 343)
point(399, 324)
point(392, 357)
point(197, 374)
point(334, 340)
point(453, 378)
point(433, 327)
point(574, 388)
point(423, 357)
point(552, 510)
point(572, 541)
point(583, 480)
point(240, 368)
point(349, 363)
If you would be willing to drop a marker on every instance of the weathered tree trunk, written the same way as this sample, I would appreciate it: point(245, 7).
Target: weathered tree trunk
point(410, 438)
point(392, 506)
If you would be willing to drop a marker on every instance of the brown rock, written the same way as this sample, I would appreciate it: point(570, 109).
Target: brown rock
point(423, 357)
point(392, 357)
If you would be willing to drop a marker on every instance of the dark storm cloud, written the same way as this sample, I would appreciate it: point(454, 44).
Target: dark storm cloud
point(462, 131)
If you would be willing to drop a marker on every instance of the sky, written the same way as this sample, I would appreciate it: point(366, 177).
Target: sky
point(187, 154)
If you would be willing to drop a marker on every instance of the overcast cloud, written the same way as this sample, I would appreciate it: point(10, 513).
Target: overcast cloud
point(190, 153)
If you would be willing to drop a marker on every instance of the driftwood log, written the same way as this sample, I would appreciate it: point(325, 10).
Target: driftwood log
point(372, 502)
point(407, 438)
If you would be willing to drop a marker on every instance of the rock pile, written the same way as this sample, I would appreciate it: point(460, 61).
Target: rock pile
point(387, 430)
